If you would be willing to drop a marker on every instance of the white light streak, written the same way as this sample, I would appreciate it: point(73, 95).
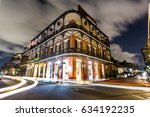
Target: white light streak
point(4, 95)
point(22, 82)
point(123, 87)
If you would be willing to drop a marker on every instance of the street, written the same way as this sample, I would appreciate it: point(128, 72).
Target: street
point(66, 91)
point(7, 82)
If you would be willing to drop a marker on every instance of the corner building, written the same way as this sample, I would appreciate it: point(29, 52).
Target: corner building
point(70, 48)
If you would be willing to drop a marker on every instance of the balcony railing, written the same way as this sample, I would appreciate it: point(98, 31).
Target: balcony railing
point(45, 55)
point(72, 25)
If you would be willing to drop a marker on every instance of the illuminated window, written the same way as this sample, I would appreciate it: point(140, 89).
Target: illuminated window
point(66, 44)
point(78, 44)
point(58, 47)
point(89, 48)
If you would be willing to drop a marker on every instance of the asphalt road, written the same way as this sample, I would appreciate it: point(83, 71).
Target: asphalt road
point(4, 82)
point(67, 91)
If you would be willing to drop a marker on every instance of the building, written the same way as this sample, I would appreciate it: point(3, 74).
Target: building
point(12, 67)
point(146, 50)
point(70, 48)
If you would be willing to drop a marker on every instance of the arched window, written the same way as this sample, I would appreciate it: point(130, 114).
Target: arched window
point(72, 17)
point(78, 44)
point(89, 48)
point(42, 53)
point(56, 41)
point(66, 43)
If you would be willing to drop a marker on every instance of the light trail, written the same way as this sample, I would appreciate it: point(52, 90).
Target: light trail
point(4, 95)
point(22, 82)
point(123, 87)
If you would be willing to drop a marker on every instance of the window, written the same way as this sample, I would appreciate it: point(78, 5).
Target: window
point(78, 44)
point(94, 51)
point(66, 44)
point(89, 48)
point(101, 54)
point(58, 47)
point(51, 50)
point(46, 51)
point(85, 23)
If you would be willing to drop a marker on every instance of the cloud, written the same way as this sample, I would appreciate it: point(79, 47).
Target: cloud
point(115, 15)
point(22, 20)
point(10, 47)
point(121, 55)
point(4, 56)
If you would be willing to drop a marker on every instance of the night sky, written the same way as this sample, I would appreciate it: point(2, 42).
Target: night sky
point(134, 38)
point(124, 21)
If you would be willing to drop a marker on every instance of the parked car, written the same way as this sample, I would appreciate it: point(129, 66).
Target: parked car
point(142, 76)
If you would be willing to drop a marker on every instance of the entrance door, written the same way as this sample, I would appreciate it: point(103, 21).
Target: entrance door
point(78, 70)
point(65, 69)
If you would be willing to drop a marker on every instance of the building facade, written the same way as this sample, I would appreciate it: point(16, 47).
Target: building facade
point(70, 48)
point(12, 67)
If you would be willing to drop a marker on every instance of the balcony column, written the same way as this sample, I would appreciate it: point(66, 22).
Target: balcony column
point(48, 70)
point(26, 71)
point(84, 47)
point(39, 71)
point(103, 70)
point(35, 70)
point(74, 68)
point(99, 71)
point(72, 41)
point(44, 70)
point(93, 68)
point(85, 70)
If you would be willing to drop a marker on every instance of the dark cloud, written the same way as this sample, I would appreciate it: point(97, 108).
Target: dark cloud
point(4, 57)
point(21, 20)
point(10, 47)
